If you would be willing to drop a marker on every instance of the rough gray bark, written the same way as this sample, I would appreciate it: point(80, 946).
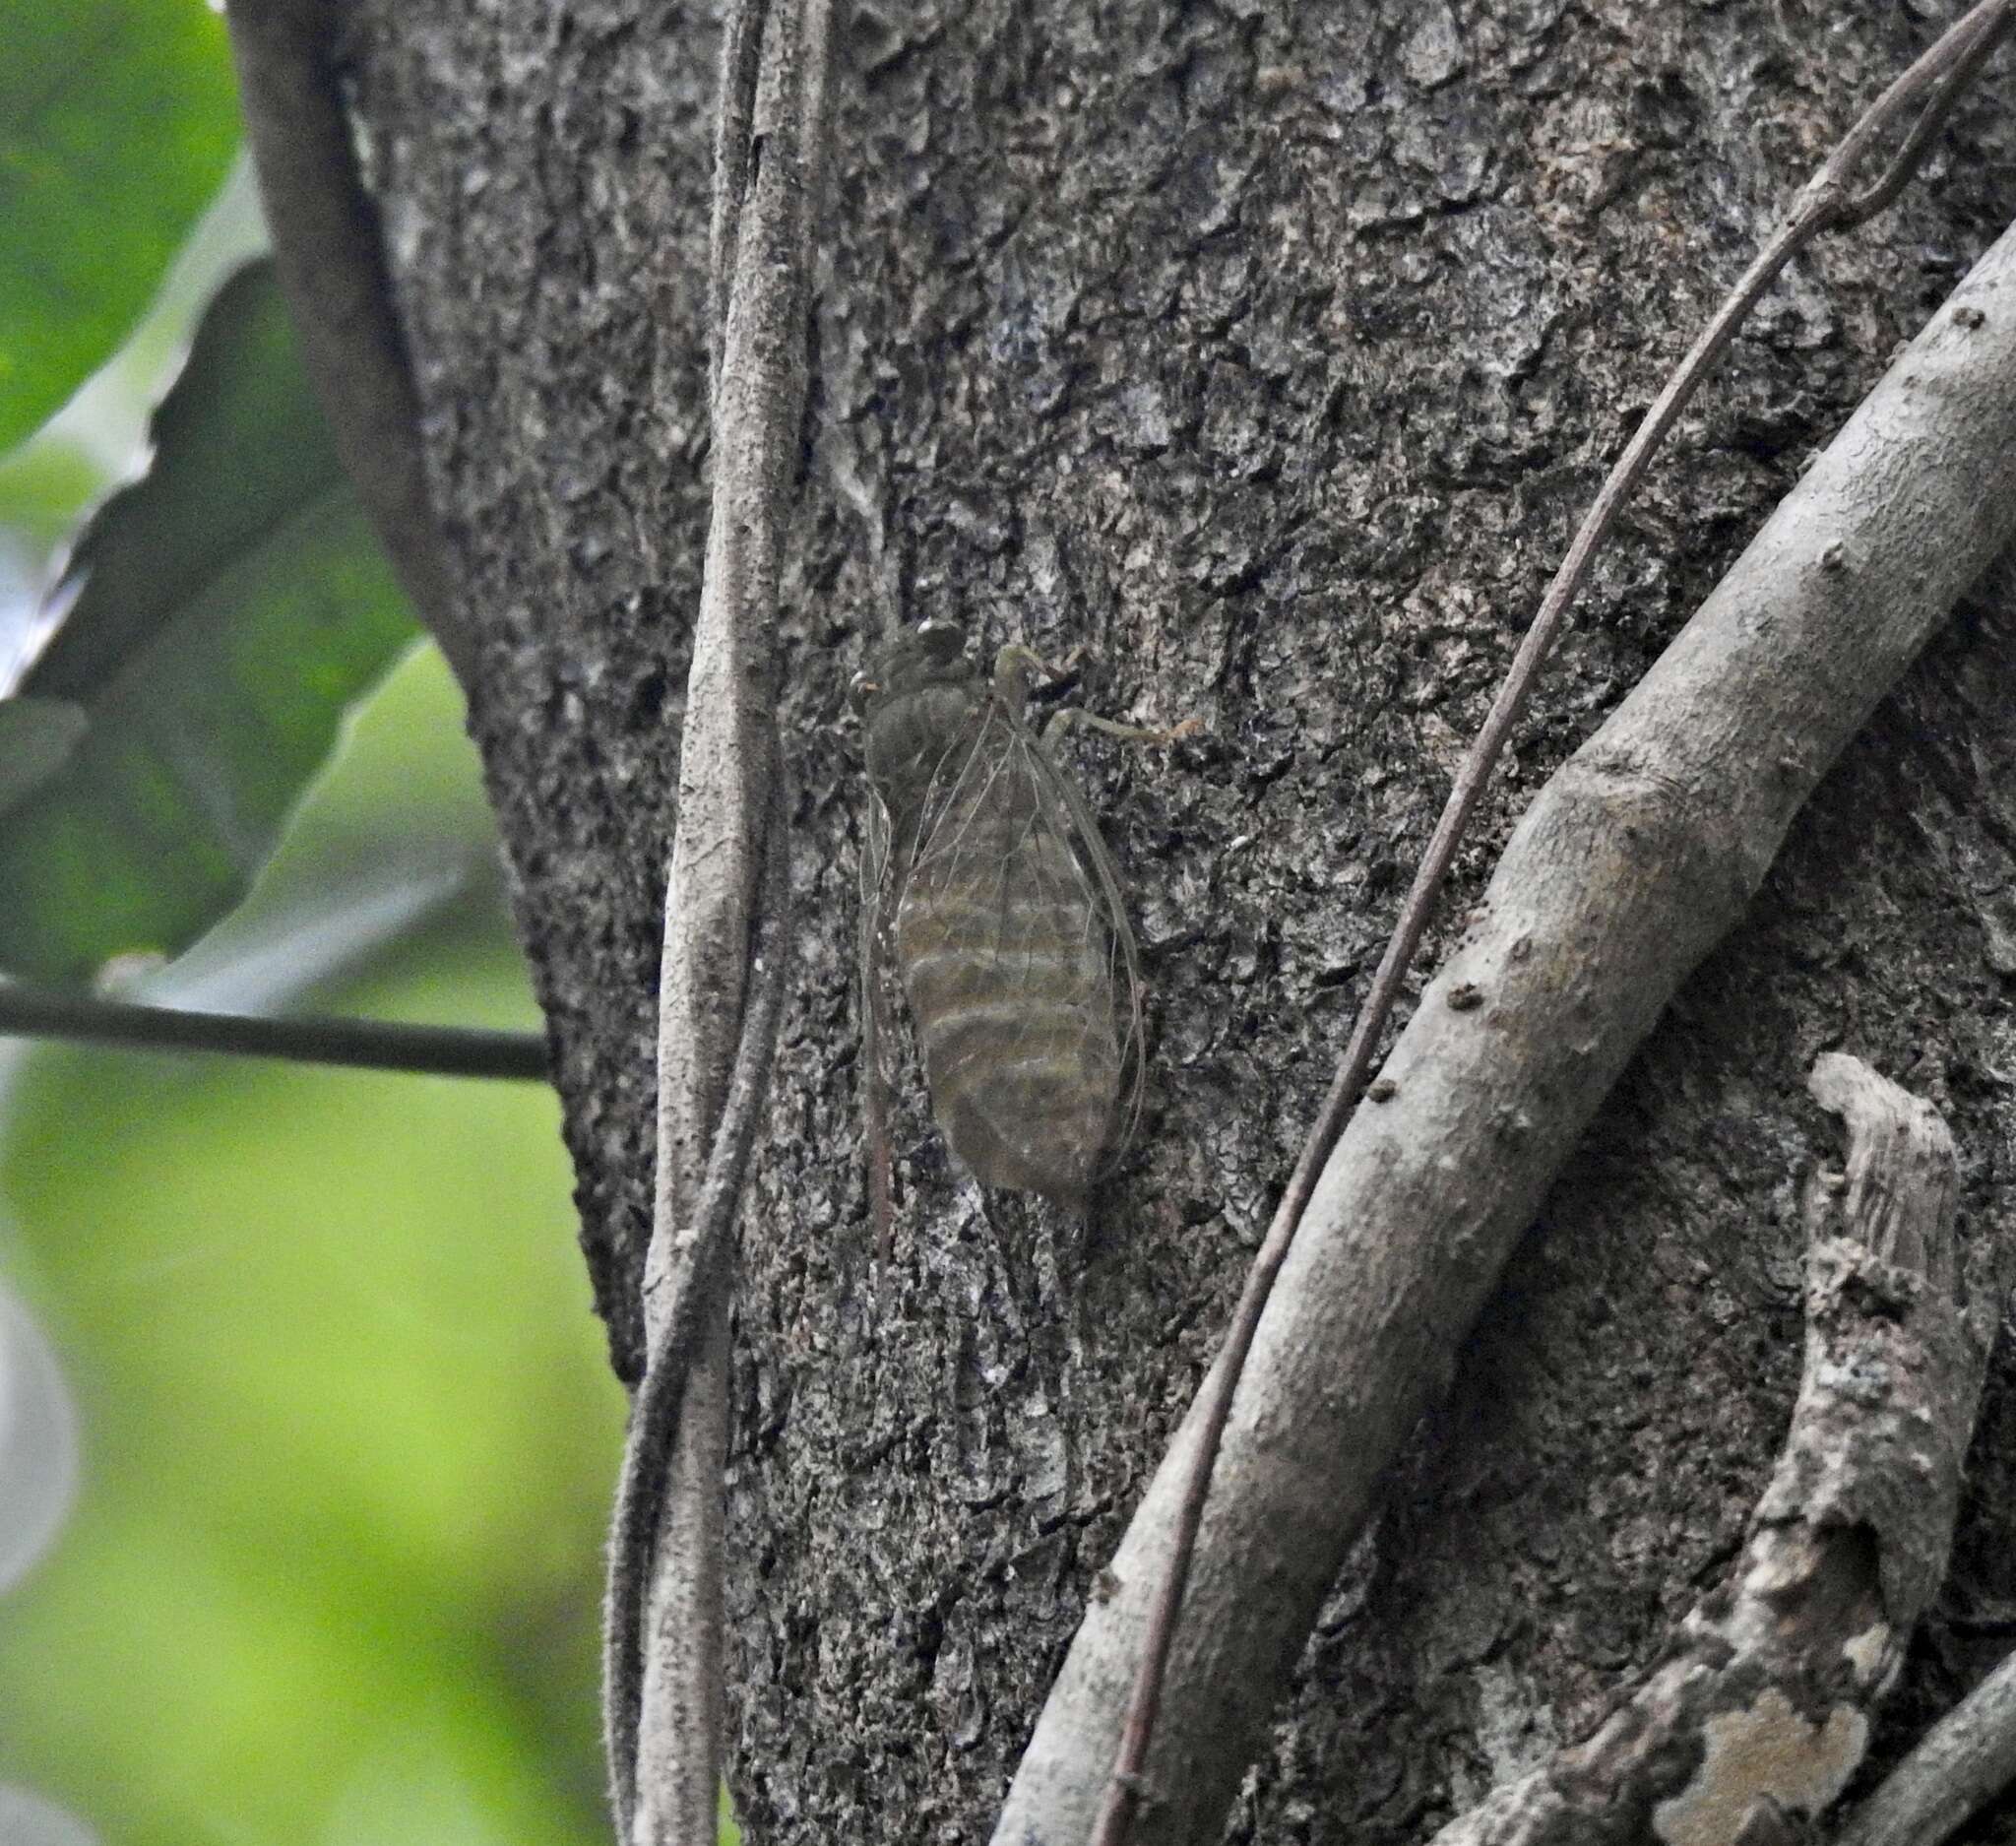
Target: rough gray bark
point(1269, 356)
point(1638, 858)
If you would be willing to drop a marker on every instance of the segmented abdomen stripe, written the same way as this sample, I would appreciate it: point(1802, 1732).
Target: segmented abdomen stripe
point(1011, 948)
point(1005, 956)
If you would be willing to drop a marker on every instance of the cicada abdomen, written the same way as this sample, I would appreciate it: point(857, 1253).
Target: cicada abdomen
point(986, 877)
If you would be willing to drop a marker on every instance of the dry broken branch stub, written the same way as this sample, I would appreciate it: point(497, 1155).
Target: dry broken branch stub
point(1761, 1705)
point(1650, 842)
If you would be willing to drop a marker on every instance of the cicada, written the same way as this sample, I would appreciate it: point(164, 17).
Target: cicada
point(984, 880)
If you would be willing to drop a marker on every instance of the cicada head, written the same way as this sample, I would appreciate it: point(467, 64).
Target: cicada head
point(932, 654)
point(917, 697)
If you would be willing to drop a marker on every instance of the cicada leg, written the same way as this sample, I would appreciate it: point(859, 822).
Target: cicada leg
point(1061, 721)
point(1012, 668)
point(1015, 662)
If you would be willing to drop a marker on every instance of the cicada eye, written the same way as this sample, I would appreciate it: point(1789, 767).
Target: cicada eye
point(860, 689)
point(943, 641)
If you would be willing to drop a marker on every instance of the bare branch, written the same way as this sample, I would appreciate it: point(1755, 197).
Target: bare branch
point(365, 1044)
point(331, 259)
point(660, 1407)
point(666, 1582)
point(1947, 69)
point(734, 128)
point(1637, 859)
point(1959, 1766)
point(1823, 205)
point(1761, 1705)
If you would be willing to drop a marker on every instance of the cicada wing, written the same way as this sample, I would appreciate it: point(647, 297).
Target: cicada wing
point(1123, 956)
point(1009, 859)
point(875, 854)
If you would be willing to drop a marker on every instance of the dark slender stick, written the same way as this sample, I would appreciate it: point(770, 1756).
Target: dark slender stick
point(330, 254)
point(364, 1043)
point(1824, 204)
point(1959, 55)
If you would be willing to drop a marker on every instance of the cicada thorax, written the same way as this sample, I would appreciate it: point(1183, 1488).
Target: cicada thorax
point(1002, 915)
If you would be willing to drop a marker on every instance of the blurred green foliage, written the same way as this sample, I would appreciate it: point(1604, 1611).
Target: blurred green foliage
point(334, 1576)
point(234, 603)
point(349, 1426)
point(117, 120)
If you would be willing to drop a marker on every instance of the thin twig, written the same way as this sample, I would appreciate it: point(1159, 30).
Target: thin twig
point(331, 258)
point(664, 1640)
point(1954, 60)
point(365, 1044)
point(1959, 1766)
point(655, 1415)
point(1821, 206)
point(734, 120)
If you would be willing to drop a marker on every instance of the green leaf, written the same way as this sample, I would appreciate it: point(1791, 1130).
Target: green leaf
point(117, 120)
point(234, 604)
point(37, 737)
point(44, 486)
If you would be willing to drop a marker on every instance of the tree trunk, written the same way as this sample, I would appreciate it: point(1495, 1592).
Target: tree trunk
point(1266, 356)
